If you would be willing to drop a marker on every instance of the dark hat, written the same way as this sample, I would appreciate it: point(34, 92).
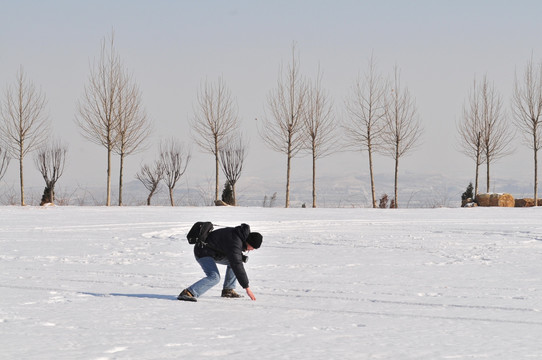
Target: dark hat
point(255, 240)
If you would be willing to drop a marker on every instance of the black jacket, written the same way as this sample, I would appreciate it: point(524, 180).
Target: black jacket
point(227, 243)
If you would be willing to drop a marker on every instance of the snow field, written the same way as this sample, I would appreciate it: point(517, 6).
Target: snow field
point(101, 283)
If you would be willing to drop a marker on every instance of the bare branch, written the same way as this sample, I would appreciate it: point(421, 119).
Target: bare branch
point(50, 161)
point(319, 126)
point(174, 159)
point(215, 118)
point(527, 111)
point(403, 129)
point(319, 121)
point(150, 176)
point(98, 110)
point(24, 124)
point(283, 130)
point(232, 158)
point(470, 131)
point(4, 162)
point(133, 125)
point(366, 109)
point(495, 131)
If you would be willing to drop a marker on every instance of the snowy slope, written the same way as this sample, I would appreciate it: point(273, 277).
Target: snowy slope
point(101, 283)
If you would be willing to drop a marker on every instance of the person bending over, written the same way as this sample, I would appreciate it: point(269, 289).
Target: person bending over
point(224, 246)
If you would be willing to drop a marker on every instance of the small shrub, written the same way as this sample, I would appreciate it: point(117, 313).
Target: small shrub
point(468, 194)
point(227, 194)
point(383, 202)
point(47, 197)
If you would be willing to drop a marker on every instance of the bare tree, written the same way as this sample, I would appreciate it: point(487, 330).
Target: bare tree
point(269, 201)
point(50, 161)
point(98, 110)
point(470, 131)
point(174, 159)
point(283, 130)
point(403, 128)
point(366, 108)
point(215, 119)
point(150, 176)
point(495, 131)
point(319, 126)
point(527, 109)
point(4, 162)
point(133, 125)
point(24, 123)
point(232, 157)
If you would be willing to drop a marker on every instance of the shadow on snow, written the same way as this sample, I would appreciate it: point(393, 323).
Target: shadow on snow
point(140, 296)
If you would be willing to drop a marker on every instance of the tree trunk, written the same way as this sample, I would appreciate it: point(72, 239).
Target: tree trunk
point(535, 177)
point(476, 179)
point(396, 202)
point(288, 180)
point(51, 186)
point(150, 196)
point(21, 177)
point(233, 194)
point(372, 177)
point(171, 197)
point(313, 179)
point(217, 185)
point(120, 177)
point(487, 176)
point(108, 200)
point(478, 153)
point(288, 167)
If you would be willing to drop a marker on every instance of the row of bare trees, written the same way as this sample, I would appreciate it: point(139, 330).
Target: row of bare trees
point(300, 118)
point(169, 168)
point(111, 113)
point(484, 133)
point(485, 130)
point(382, 118)
point(24, 128)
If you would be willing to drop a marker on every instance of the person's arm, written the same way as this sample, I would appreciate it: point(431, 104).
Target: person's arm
point(250, 294)
point(235, 258)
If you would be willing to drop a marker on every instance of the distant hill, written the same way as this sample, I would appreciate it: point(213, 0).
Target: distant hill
point(351, 190)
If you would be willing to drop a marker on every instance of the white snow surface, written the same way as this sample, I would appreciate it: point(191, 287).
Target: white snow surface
point(101, 283)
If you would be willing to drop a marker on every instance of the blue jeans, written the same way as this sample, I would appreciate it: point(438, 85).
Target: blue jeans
point(212, 276)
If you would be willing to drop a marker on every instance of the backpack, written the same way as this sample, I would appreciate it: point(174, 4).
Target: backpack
point(199, 231)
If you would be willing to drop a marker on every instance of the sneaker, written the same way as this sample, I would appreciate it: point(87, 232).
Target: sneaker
point(230, 293)
point(186, 295)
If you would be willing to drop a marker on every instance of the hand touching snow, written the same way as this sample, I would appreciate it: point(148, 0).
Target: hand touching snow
point(250, 294)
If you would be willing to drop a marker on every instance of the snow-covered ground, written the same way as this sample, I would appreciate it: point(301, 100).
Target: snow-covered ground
point(101, 283)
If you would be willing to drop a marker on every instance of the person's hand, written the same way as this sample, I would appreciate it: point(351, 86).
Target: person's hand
point(250, 294)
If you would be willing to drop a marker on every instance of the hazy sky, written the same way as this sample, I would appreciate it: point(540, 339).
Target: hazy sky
point(171, 46)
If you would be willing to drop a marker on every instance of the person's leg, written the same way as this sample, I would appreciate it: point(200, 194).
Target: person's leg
point(212, 277)
point(229, 278)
